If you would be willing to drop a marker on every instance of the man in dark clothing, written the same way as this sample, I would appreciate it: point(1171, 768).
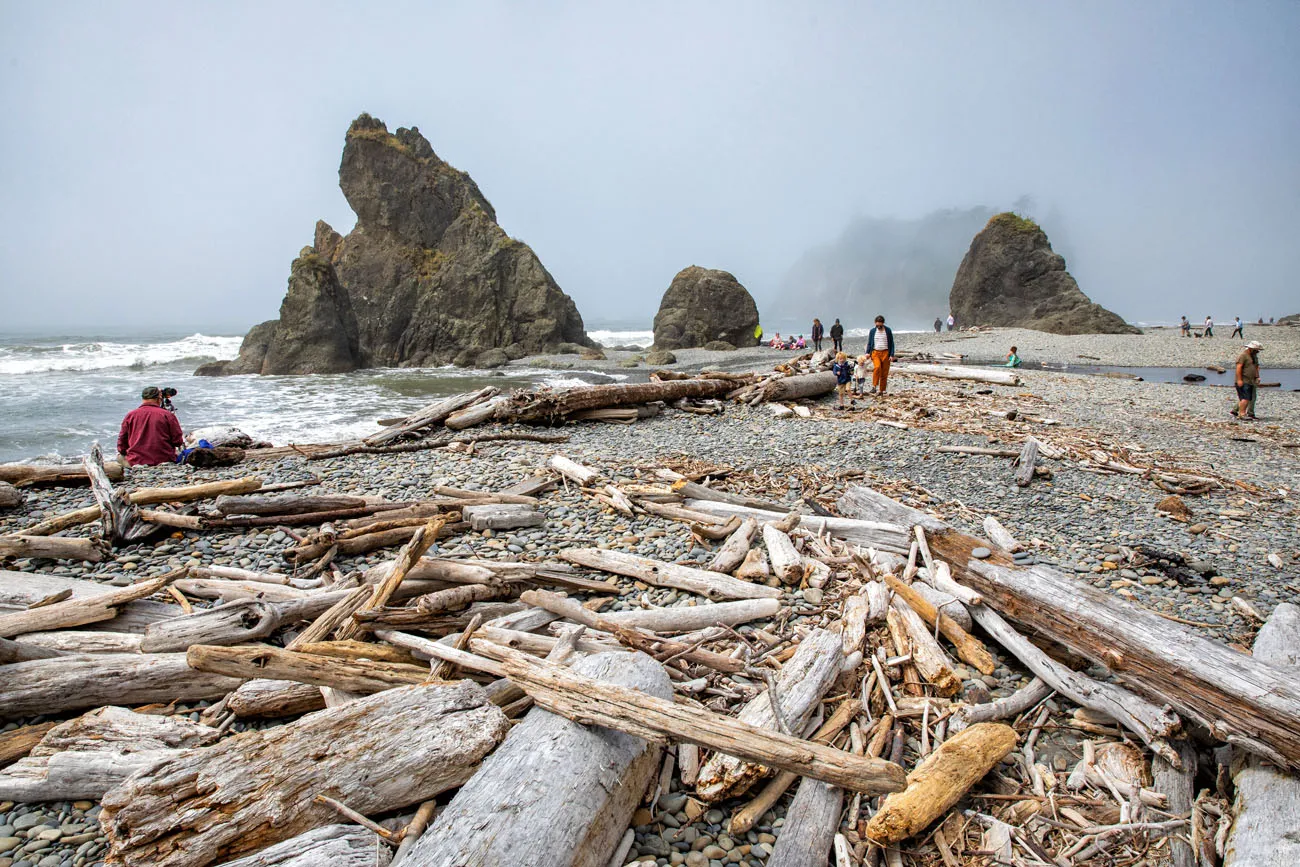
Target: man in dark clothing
point(837, 336)
point(817, 333)
point(938, 325)
point(150, 434)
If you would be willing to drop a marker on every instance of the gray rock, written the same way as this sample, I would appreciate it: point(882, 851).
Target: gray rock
point(702, 306)
point(981, 553)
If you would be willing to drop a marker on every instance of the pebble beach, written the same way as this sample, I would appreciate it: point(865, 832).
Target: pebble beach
point(1080, 521)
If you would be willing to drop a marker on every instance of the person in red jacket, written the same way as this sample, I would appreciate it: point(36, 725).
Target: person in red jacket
point(150, 434)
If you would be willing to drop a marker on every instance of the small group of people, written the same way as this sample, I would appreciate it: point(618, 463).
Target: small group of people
point(939, 323)
point(150, 433)
point(1207, 327)
point(851, 376)
point(778, 342)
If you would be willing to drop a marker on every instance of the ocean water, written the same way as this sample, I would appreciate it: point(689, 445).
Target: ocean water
point(61, 393)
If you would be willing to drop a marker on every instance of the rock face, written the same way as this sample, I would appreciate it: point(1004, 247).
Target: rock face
point(1011, 277)
point(1293, 319)
point(704, 305)
point(425, 278)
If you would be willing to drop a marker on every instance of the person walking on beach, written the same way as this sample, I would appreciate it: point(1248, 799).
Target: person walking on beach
point(817, 333)
point(1186, 327)
point(860, 375)
point(1247, 381)
point(1209, 327)
point(938, 325)
point(951, 322)
point(843, 371)
point(1237, 329)
point(837, 336)
point(882, 352)
point(150, 434)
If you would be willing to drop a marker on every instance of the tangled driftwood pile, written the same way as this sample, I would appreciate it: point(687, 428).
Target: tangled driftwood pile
point(554, 719)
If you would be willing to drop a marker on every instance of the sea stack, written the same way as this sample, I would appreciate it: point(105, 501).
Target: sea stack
point(702, 306)
point(1011, 277)
point(427, 276)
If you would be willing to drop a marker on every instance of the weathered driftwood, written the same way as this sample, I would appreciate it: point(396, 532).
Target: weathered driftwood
point(146, 497)
point(428, 416)
point(929, 658)
point(969, 648)
point(573, 471)
point(689, 618)
point(81, 641)
point(23, 475)
point(78, 681)
point(10, 497)
point(81, 610)
point(594, 780)
point(1267, 804)
point(233, 623)
point(327, 846)
point(410, 554)
point(1025, 463)
point(860, 501)
point(732, 552)
point(999, 535)
point(17, 743)
point(799, 386)
point(786, 562)
point(363, 544)
point(502, 516)
point(286, 504)
point(52, 547)
point(580, 698)
point(976, 374)
point(20, 590)
point(797, 693)
point(810, 824)
point(944, 601)
point(273, 699)
point(702, 582)
point(1178, 785)
point(14, 651)
point(875, 534)
point(119, 518)
point(1013, 705)
point(375, 754)
point(978, 450)
point(548, 407)
point(74, 774)
point(352, 675)
point(940, 781)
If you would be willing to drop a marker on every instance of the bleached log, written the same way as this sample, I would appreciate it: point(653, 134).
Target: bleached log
point(286, 504)
point(546, 406)
point(799, 386)
point(80, 610)
point(999, 535)
point(13, 651)
point(754, 567)
point(810, 824)
point(940, 781)
point(978, 450)
point(502, 517)
point(428, 416)
point(711, 585)
point(874, 534)
point(147, 497)
point(798, 692)
point(576, 697)
point(786, 562)
point(974, 374)
point(20, 590)
point(234, 623)
point(929, 658)
point(262, 698)
point(688, 618)
point(79, 641)
point(594, 780)
point(476, 414)
point(572, 470)
point(76, 681)
point(862, 502)
point(352, 675)
point(1025, 463)
point(52, 547)
point(1267, 803)
point(327, 846)
point(69, 475)
point(940, 578)
point(733, 551)
point(378, 753)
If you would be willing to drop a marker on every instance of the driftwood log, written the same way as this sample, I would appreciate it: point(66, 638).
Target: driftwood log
point(234, 623)
point(23, 475)
point(375, 754)
point(435, 413)
point(885, 536)
point(594, 778)
point(549, 407)
point(147, 497)
point(975, 374)
point(81, 610)
point(810, 824)
point(327, 846)
point(262, 698)
point(53, 547)
point(353, 675)
point(702, 582)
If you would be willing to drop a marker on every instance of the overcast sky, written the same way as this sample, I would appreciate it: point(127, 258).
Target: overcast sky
point(162, 164)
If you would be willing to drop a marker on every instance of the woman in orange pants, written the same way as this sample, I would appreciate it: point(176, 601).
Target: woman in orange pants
point(881, 343)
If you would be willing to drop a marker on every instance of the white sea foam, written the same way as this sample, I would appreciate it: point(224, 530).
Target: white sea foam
point(40, 357)
point(623, 338)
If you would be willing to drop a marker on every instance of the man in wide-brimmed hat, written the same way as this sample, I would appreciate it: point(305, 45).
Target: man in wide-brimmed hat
point(150, 434)
point(1247, 381)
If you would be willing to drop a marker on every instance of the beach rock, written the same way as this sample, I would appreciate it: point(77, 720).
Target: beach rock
point(658, 357)
point(719, 346)
point(1011, 277)
point(1174, 505)
point(1293, 319)
point(426, 275)
point(704, 305)
point(10, 497)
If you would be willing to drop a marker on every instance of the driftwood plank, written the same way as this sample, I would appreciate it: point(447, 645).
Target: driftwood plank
point(711, 585)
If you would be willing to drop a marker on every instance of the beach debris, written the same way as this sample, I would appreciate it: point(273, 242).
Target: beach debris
point(62, 475)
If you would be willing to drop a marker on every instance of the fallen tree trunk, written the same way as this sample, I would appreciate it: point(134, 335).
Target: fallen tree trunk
point(53, 547)
point(286, 504)
point(702, 582)
point(594, 780)
point(550, 407)
point(799, 386)
point(24, 475)
point(147, 497)
point(66, 641)
point(49, 686)
point(581, 698)
point(976, 374)
point(327, 846)
point(940, 781)
point(376, 754)
point(795, 695)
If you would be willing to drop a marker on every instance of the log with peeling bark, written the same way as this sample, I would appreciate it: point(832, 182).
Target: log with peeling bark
point(147, 497)
point(930, 660)
point(969, 648)
point(327, 846)
point(10, 497)
point(702, 582)
point(353, 675)
point(212, 804)
point(81, 610)
point(594, 780)
point(1267, 802)
point(273, 699)
point(733, 551)
point(433, 414)
point(53, 547)
point(23, 475)
point(236, 622)
point(940, 781)
point(797, 692)
point(77, 681)
point(581, 698)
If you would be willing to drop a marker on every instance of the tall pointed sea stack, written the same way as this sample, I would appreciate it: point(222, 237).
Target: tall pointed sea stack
point(426, 277)
point(1011, 277)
